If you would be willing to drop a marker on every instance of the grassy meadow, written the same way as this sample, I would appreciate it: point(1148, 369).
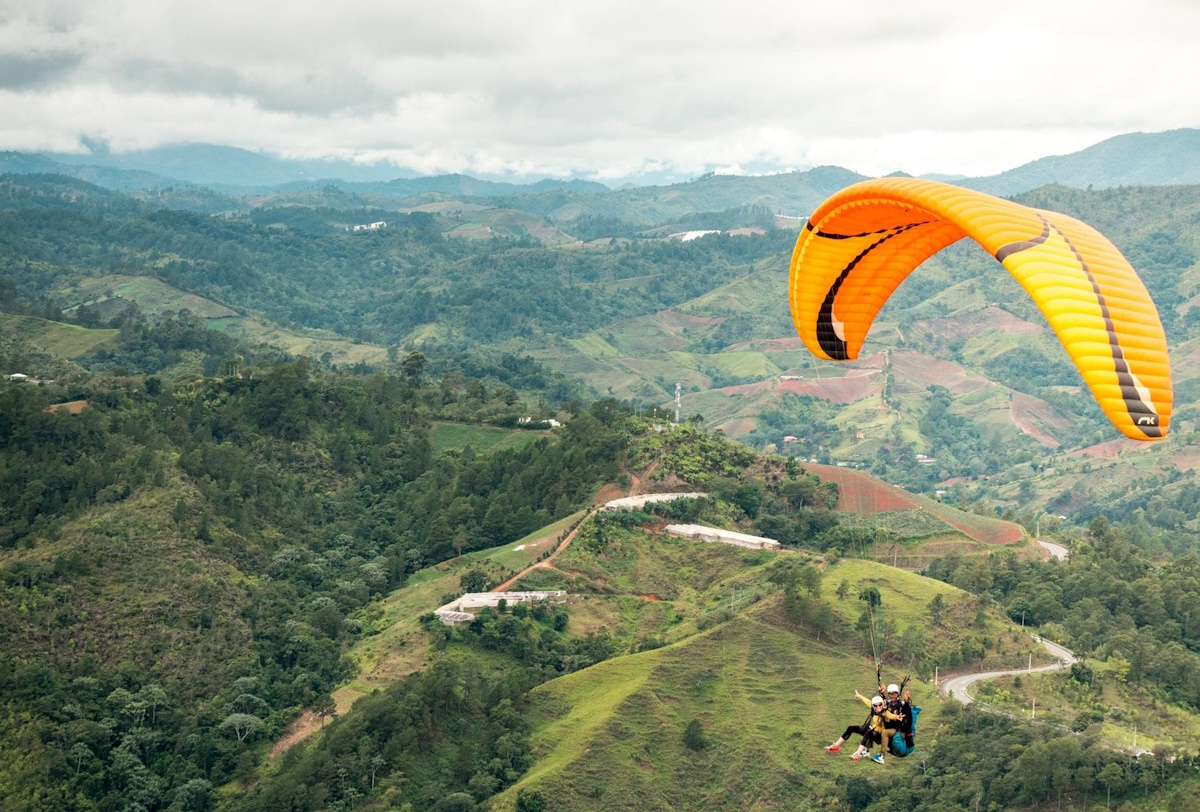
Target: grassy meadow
point(484, 439)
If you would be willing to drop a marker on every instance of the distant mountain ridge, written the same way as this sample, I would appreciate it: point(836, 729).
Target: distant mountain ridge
point(1136, 159)
point(1165, 158)
point(235, 170)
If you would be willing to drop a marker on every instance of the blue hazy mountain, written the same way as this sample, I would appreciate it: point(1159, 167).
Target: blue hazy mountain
point(234, 170)
point(1135, 159)
point(1165, 158)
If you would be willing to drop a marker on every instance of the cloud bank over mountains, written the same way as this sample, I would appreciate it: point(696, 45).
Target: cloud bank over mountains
point(606, 90)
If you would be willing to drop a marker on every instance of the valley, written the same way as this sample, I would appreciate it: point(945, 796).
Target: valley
point(256, 450)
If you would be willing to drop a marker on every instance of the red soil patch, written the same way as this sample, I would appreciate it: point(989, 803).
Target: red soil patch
point(1034, 416)
point(739, 427)
point(72, 407)
point(860, 493)
point(608, 493)
point(1108, 450)
point(650, 597)
point(307, 724)
point(1186, 457)
point(914, 372)
point(747, 388)
point(771, 345)
point(983, 528)
point(849, 388)
point(969, 325)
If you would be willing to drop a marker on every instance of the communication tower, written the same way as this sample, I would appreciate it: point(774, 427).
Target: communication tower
point(677, 389)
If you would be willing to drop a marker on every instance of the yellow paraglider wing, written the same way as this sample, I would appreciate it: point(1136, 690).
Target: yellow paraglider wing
point(862, 242)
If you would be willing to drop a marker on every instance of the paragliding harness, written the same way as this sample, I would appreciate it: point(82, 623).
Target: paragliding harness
point(903, 741)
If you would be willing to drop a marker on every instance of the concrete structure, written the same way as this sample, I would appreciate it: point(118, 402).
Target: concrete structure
point(635, 502)
point(688, 236)
point(699, 533)
point(550, 421)
point(457, 611)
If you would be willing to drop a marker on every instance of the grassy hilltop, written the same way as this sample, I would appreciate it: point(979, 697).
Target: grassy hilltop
point(761, 650)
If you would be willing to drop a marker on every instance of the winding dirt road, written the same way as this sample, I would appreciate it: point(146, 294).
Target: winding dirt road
point(548, 562)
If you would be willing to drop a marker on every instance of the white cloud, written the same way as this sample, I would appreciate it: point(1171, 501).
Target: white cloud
point(608, 89)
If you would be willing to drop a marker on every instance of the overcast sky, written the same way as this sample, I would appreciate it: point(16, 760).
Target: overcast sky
point(606, 89)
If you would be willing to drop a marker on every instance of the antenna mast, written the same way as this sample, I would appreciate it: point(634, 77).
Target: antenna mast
point(677, 389)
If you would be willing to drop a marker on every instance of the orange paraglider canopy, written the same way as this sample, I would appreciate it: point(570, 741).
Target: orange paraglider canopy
point(862, 242)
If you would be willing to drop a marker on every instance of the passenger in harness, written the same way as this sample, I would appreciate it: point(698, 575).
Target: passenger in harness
point(900, 735)
point(872, 730)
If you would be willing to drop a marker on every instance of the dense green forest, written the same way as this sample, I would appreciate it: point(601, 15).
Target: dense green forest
point(253, 518)
point(378, 286)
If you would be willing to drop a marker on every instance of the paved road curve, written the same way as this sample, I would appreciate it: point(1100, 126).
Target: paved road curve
point(956, 687)
point(1056, 550)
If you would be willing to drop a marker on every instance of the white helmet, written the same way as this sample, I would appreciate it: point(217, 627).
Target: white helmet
point(893, 688)
point(876, 701)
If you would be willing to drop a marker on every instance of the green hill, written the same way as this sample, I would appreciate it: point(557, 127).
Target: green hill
point(760, 659)
point(1134, 159)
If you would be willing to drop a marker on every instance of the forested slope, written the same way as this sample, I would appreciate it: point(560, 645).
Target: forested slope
point(184, 567)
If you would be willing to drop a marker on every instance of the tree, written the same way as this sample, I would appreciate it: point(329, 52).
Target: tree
point(243, 725)
point(456, 802)
point(154, 697)
point(810, 580)
point(871, 596)
point(859, 793)
point(377, 765)
point(413, 367)
point(325, 706)
point(693, 736)
point(1113, 773)
point(530, 800)
point(80, 753)
point(194, 796)
point(912, 644)
point(473, 580)
point(937, 609)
